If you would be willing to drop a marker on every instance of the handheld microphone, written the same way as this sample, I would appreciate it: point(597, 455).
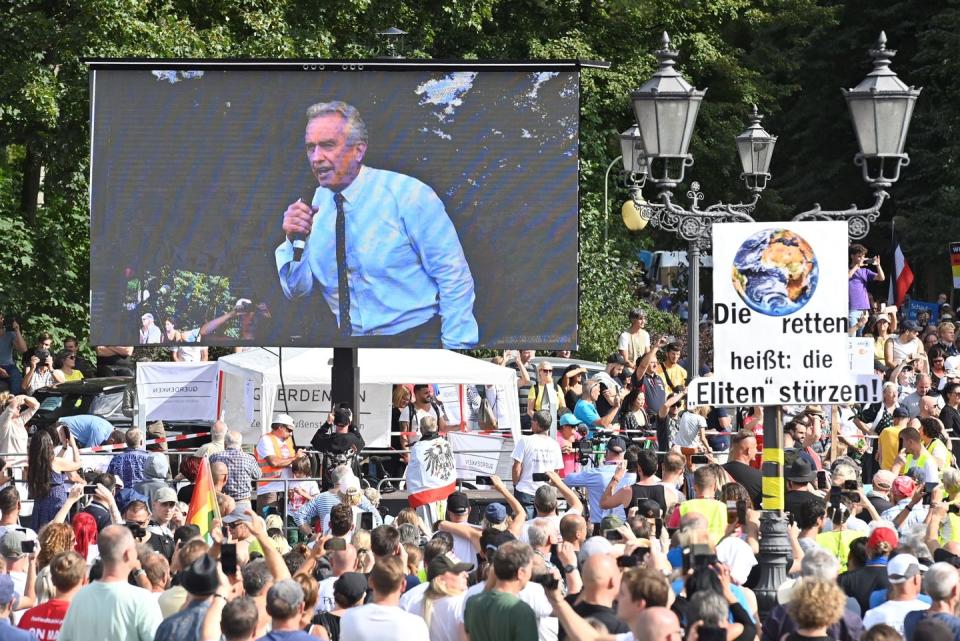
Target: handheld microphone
point(299, 240)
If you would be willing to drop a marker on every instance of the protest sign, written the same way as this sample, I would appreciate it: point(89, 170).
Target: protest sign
point(178, 391)
point(780, 317)
point(917, 307)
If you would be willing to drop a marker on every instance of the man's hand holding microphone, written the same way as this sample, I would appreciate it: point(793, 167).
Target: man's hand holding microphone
point(297, 224)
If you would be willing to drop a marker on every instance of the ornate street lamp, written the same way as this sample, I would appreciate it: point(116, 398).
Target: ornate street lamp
point(755, 148)
point(633, 177)
point(881, 107)
point(666, 107)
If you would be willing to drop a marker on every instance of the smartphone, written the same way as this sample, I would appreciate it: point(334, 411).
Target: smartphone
point(27, 547)
point(742, 512)
point(699, 459)
point(366, 521)
point(228, 558)
point(484, 480)
point(789, 516)
point(658, 527)
point(89, 490)
point(851, 485)
point(711, 633)
point(835, 497)
point(613, 535)
point(731, 509)
point(822, 480)
point(225, 532)
point(928, 489)
point(540, 476)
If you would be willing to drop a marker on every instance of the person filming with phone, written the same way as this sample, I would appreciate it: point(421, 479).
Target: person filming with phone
point(862, 270)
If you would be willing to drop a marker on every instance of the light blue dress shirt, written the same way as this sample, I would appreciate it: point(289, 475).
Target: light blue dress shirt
point(596, 479)
point(404, 259)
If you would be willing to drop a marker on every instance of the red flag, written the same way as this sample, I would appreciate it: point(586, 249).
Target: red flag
point(903, 275)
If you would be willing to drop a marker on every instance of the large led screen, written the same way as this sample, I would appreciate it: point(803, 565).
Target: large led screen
point(408, 207)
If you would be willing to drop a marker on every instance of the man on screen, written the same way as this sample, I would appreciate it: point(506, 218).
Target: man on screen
point(379, 245)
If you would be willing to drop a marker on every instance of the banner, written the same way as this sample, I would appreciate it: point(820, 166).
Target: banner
point(309, 405)
point(475, 454)
point(955, 264)
point(780, 303)
point(451, 397)
point(776, 390)
point(178, 391)
point(917, 307)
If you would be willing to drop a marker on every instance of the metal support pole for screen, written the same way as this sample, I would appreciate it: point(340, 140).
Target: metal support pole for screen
point(345, 380)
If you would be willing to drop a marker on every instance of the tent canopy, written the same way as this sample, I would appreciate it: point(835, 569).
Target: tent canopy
point(378, 367)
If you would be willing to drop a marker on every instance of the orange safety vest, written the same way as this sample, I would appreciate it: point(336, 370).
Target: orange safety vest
point(268, 471)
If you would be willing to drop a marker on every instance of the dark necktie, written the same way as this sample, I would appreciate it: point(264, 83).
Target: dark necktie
point(342, 284)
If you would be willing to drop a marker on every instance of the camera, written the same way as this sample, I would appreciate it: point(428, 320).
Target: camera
point(246, 307)
point(42, 354)
point(547, 580)
point(137, 530)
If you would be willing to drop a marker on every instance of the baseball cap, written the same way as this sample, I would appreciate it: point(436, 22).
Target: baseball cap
point(351, 585)
point(274, 522)
point(570, 419)
point(648, 508)
point(446, 563)
point(611, 522)
point(617, 358)
point(901, 412)
point(7, 591)
point(883, 535)
point(495, 512)
point(617, 444)
point(909, 326)
point(10, 544)
point(903, 567)
point(349, 484)
point(147, 316)
point(882, 480)
point(287, 591)
point(595, 545)
point(165, 495)
point(237, 515)
point(458, 503)
point(494, 541)
point(905, 485)
point(282, 419)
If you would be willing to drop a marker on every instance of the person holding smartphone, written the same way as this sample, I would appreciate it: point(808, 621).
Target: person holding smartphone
point(861, 271)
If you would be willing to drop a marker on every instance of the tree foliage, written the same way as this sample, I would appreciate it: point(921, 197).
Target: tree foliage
point(788, 56)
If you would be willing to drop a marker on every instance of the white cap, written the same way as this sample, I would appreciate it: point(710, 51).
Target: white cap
point(903, 567)
point(282, 419)
point(147, 316)
point(596, 545)
point(349, 484)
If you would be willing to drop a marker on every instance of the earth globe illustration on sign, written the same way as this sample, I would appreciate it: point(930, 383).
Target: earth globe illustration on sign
point(775, 272)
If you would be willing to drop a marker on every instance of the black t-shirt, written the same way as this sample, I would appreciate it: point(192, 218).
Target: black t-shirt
point(748, 477)
point(337, 443)
point(100, 514)
point(653, 492)
point(330, 622)
point(793, 499)
point(603, 614)
point(161, 543)
point(862, 582)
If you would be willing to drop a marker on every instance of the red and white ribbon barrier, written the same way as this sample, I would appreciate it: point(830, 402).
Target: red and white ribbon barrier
point(153, 441)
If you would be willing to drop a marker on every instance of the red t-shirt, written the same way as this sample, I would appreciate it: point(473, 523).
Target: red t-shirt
point(45, 619)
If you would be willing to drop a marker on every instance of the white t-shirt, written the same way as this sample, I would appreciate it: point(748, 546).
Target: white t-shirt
point(688, 429)
point(892, 613)
point(462, 547)
point(414, 596)
point(443, 621)
point(325, 602)
point(536, 453)
point(374, 622)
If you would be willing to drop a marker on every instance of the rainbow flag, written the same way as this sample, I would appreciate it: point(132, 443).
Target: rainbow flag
point(203, 506)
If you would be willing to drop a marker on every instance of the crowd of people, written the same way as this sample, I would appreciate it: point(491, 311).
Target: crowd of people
point(652, 533)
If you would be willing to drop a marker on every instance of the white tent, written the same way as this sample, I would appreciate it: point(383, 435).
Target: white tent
point(252, 388)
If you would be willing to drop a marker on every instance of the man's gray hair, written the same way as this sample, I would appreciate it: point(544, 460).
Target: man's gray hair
point(709, 607)
point(940, 581)
point(428, 425)
point(542, 419)
point(113, 541)
point(356, 128)
point(339, 472)
point(218, 432)
point(233, 440)
point(537, 536)
point(820, 564)
point(951, 476)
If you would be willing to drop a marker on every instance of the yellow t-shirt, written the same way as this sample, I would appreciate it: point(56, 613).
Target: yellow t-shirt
point(889, 446)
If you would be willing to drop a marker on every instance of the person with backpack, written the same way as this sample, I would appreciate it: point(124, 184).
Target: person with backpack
point(546, 395)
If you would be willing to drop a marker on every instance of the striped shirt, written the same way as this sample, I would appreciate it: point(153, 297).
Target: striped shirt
point(320, 506)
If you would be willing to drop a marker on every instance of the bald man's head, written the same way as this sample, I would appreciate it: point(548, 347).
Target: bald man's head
point(601, 579)
point(573, 528)
point(657, 624)
point(343, 560)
